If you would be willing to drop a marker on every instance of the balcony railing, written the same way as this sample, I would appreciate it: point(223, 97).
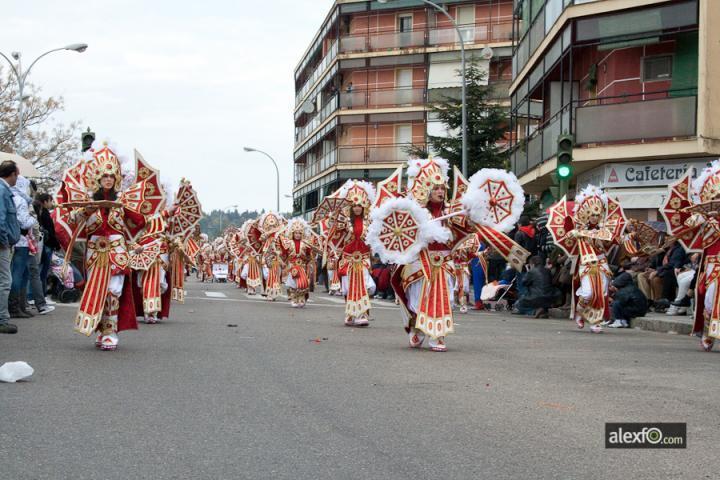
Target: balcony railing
point(328, 109)
point(374, 153)
point(383, 98)
point(305, 172)
point(381, 41)
point(317, 73)
point(610, 120)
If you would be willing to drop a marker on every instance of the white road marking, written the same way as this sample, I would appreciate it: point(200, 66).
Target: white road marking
point(215, 295)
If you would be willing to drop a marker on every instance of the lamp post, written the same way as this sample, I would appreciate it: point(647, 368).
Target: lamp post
point(463, 95)
point(277, 171)
point(222, 217)
point(21, 77)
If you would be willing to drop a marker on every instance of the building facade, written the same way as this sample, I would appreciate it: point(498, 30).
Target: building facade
point(629, 79)
point(364, 85)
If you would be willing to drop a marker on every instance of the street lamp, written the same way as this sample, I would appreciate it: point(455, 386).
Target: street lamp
point(21, 77)
point(463, 95)
point(222, 216)
point(277, 171)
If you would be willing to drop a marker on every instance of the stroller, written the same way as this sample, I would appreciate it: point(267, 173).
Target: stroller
point(65, 289)
point(499, 297)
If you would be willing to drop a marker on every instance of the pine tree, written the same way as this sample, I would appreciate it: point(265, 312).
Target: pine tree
point(487, 125)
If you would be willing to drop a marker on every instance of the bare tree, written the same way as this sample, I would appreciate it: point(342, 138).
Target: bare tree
point(48, 144)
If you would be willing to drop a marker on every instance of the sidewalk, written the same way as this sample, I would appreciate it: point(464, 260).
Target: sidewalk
point(653, 322)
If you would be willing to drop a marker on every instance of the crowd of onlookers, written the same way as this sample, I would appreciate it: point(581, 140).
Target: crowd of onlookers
point(27, 244)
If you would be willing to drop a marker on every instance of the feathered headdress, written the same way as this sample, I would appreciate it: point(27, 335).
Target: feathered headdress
point(297, 224)
point(424, 175)
point(102, 161)
point(591, 200)
point(706, 187)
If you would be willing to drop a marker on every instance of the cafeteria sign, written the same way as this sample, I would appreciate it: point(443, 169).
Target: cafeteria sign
point(642, 174)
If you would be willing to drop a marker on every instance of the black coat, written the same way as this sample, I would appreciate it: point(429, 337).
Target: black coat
point(540, 290)
point(629, 296)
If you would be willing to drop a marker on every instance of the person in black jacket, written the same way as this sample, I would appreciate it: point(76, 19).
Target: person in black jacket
point(628, 301)
point(540, 293)
point(43, 204)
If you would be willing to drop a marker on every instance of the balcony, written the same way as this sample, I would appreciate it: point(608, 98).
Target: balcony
point(328, 109)
point(610, 121)
point(304, 172)
point(434, 37)
point(317, 73)
point(369, 154)
point(383, 98)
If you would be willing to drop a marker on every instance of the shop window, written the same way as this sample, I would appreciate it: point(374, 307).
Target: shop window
point(657, 68)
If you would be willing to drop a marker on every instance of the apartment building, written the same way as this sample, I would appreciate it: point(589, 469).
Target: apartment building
point(630, 79)
point(364, 86)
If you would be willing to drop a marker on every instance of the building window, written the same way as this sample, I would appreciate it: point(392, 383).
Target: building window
point(405, 23)
point(657, 68)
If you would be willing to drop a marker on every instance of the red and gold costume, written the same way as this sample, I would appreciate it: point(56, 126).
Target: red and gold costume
point(271, 225)
point(354, 264)
point(418, 234)
point(692, 214)
point(595, 223)
point(106, 306)
point(296, 251)
point(252, 272)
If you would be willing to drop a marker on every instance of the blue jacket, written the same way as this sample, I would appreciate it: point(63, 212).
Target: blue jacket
point(9, 226)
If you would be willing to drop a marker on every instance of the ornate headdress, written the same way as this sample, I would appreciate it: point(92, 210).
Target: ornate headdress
point(102, 162)
point(270, 222)
point(591, 200)
point(359, 192)
point(297, 224)
point(424, 175)
point(706, 187)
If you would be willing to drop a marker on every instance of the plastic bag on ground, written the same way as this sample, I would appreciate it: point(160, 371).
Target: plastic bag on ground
point(11, 372)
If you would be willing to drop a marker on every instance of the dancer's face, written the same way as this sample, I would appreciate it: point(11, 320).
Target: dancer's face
point(594, 219)
point(357, 210)
point(437, 195)
point(107, 182)
point(297, 235)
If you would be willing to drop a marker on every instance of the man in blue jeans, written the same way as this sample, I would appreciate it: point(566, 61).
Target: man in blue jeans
point(9, 235)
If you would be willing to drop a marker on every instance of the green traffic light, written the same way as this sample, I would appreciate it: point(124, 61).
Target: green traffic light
point(564, 171)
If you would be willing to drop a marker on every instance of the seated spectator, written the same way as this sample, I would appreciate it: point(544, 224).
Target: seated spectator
point(539, 294)
point(685, 277)
point(381, 274)
point(628, 301)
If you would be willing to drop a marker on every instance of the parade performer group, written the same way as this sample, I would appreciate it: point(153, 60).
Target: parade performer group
point(138, 244)
point(136, 249)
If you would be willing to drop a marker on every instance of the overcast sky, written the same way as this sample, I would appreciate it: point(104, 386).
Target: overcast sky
point(187, 83)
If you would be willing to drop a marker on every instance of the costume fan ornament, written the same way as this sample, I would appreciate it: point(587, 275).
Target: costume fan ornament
point(401, 228)
point(145, 259)
point(188, 212)
point(494, 199)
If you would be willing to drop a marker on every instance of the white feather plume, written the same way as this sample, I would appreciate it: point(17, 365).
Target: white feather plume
point(429, 231)
point(589, 191)
point(415, 164)
point(698, 183)
point(293, 221)
point(477, 200)
point(368, 187)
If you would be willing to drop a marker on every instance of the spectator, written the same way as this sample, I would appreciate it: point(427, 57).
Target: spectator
point(649, 283)
point(44, 203)
point(525, 235)
point(539, 291)
point(672, 263)
point(628, 301)
point(36, 250)
point(9, 236)
point(685, 277)
point(21, 254)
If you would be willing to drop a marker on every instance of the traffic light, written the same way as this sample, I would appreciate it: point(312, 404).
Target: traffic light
point(564, 157)
point(87, 139)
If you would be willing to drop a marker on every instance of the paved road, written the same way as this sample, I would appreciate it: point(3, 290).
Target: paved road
point(195, 398)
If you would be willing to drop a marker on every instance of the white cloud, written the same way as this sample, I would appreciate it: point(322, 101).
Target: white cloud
point(187, 83)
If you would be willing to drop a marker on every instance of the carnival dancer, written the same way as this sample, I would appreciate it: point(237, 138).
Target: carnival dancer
point(106, 306)
point(296, 252)
point(692, 215)
point(354, 265)
point(271, 225)
point(149, 261)
point(586, 234)
point(252, 268)
point(418, 234)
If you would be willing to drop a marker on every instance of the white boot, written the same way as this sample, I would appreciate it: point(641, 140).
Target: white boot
point(416, 338)
point(437, 344)
point(361, 321)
